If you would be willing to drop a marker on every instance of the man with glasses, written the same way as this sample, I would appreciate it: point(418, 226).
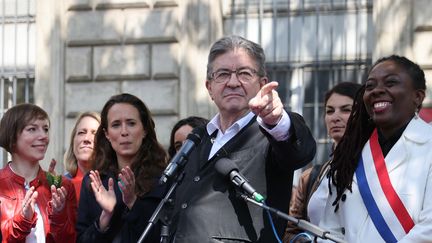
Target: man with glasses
point(256, 135)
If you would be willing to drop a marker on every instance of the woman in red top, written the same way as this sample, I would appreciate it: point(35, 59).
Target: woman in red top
point(35, 207)
point(77, 157)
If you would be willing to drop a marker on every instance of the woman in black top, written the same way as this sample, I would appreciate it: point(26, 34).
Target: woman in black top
point(120, 195)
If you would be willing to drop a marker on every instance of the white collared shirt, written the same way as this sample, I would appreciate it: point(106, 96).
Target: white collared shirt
point(280, 132)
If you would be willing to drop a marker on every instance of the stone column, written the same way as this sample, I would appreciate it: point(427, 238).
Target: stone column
point(49, 77)
point(201, 25)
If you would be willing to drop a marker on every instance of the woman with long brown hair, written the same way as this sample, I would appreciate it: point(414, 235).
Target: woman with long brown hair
point(120, 194)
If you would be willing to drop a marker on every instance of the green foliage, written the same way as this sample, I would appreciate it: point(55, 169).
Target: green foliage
point(54, 180)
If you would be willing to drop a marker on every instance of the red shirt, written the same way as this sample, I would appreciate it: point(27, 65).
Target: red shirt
point(76, 181)
point(15, 228)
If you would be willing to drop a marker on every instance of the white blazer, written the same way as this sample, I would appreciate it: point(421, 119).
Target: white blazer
point(409, 164)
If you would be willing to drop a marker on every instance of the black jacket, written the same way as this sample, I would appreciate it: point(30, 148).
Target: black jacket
point(207, 208)
point(126, 225)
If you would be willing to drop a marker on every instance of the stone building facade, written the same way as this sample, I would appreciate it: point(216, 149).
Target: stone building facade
point(89, 50)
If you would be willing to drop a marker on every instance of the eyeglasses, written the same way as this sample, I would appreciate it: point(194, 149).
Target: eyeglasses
point(244, 75)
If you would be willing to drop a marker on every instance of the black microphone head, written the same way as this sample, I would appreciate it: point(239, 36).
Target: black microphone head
point(224, 166)
point(196, 134)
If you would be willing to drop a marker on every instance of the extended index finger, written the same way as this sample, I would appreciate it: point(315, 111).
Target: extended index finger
point(52, 166)
point(268, 88)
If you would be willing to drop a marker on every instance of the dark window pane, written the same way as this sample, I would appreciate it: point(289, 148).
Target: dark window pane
point(318, 80)
point(25, 90)
point(283, 77)
point(8, 93)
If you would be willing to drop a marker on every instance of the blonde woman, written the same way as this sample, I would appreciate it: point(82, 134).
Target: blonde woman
point(77, 157)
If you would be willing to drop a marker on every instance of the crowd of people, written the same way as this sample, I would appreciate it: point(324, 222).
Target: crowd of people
point(375, 187)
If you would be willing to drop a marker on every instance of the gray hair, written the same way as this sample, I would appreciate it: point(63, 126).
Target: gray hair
point(230, 43)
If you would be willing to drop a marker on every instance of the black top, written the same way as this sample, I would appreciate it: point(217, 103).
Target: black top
point(387, 144)
point(126, 225)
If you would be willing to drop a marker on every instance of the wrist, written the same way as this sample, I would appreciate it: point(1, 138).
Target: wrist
point(131, 203)
point(273, 123)
point(104, 220)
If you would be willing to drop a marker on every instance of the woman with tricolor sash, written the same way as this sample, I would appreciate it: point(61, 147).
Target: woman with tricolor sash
point(380, 178)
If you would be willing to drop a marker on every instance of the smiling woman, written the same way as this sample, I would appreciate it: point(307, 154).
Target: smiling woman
point(381, 172)
point(77, 157)
point(32, 210)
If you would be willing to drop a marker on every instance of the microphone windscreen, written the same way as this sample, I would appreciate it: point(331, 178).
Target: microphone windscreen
point(196, 134)
point(224, 166)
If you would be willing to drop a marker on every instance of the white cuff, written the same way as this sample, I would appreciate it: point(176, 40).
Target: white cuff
point(280, 132)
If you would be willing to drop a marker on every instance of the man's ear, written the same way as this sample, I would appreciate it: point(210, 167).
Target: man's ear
point(263, 81)
point(209, 88)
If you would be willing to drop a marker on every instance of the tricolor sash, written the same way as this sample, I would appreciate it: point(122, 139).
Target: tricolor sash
point(383, 204)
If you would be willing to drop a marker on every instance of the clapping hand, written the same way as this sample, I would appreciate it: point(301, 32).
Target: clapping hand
point(127, 186)
point(267, 104)
point(58, 199)
point(105, 198)
point(28, 204)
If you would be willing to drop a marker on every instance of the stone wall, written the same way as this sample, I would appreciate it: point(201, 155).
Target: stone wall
point(147, 48)
point(404, 27)
point(89, 50)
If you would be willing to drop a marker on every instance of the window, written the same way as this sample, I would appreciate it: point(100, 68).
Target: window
point(17, 54)
point(314, 82)
point(310, 45)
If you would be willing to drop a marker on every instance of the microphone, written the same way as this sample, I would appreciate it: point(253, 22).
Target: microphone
point(179, 160)
point(227, 168)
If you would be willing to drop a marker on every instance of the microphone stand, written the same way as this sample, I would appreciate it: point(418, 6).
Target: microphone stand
point(156, 214)
point(315, 230)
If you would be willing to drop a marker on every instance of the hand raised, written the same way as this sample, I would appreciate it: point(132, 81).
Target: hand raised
point(267, 104)
point(105, 198)
point(58, 199)
point(28, 204)
point(127, 186)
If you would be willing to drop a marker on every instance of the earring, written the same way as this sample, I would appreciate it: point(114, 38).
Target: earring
point(416, 114)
